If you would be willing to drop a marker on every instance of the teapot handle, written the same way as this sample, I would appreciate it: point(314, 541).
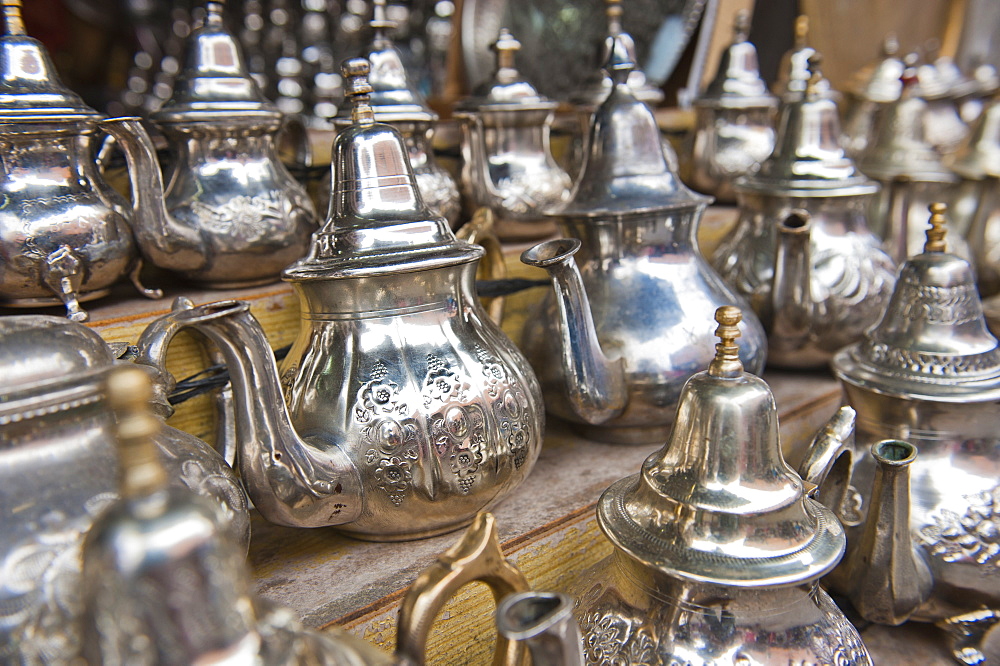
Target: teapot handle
point(480, 230)
point(476, 557)
point(827, 467)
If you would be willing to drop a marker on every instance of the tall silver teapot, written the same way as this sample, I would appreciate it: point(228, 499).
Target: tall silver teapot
point(718, 549)
point(401, 409)
point(615, 342)
point(58, 470)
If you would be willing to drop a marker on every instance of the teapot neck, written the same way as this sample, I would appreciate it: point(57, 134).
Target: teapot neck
point(658, 232)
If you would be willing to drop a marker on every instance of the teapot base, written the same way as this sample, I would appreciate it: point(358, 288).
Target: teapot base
point(406, 536)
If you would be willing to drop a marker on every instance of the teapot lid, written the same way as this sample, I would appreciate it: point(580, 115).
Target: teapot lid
point(899, 148)
point(394, 96)
point(794, 73)
point(215, 83)
point(718, 504)
point(737, 83)
point(880, 81)
point(808, 159)
point(932, 342)
point(597, 88)
point(625, 171)
point(30, 89)
point(508, 90)
point(378, 222)
point(979, 157)
point(49, 364)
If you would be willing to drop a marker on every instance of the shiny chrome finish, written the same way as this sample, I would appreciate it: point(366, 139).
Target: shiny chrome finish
point(58, 470)
point(507, 165)
point(734, 126)
point(401, 410)
point(801, 252)
point(717, 547)
point(929, 373)
point(234, 215)
point(544, 621)
point(65, 234)
point(648, 290)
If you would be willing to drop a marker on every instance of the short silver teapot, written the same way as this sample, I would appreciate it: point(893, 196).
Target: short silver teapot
point(615, 342)
point(718, 549)
point(801, 252)
point(401, 409)
point(58, 470)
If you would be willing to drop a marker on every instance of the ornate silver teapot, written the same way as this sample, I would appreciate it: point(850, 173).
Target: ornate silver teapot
point(734, 126)
point(234, 215)
point(59, 469)
point(627, 327)
point(801, 252)
point(718, 550)
point(396, 101)
point(401, 409)
point(65, 234)
point(929, 374)
point(507, 164)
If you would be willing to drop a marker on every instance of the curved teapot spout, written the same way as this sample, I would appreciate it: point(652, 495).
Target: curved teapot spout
point(544, 621)
point(291, 481)
point(162, 240)
point(596, 384)
point(791, 306)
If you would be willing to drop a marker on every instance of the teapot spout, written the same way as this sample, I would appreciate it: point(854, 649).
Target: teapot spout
point(791, 307)
point(544, 621)
point(596, 384)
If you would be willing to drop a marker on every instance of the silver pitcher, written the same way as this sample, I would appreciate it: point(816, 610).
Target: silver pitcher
point(734, 119)
point(929, 374)
point(801, 252)
point(401, 409)
point(616, 341)
point(718, 549)
point(65, 234)
point(507, 164)
point(234, 215)
point(397, 102)
point(58, 470)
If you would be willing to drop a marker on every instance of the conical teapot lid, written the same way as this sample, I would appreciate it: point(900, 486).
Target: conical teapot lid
point(880, 82)
point(30, 89)
point(979, 157)
point(932, 342)
point(378, 222)
point(793, 72)
point(215, 83)
point(737, 83)
point(507, 90)
point(394, 96)
point(718, 504)
point(808, 159)
point(596, 89)
point(625, 171)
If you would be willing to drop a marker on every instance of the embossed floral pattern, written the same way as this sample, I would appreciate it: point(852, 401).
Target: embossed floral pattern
point(442, 384)
point(974, 535)
point(612, 640)
point(379, 395)
point(251, 218)
point(393, 476)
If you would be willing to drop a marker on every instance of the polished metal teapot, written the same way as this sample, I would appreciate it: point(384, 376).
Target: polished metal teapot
point(929, 374)
point(234, 215)
point(396, 101)
point(718, 549)
point(401, 409)
point(65, 234)
point(874, 85)
point(507, 164)
point(801, 252)
point(619, 337)
point(58, 470)
point(734, 119)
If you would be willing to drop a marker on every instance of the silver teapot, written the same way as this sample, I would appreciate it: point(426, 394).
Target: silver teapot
point(234, 215)
point(59, 470)
point(65, 234)
point(872, 86)
point(718, 549)
point(801, 252)
point(507, 164)
point(924, 527)
point(628, 326)
point(734, 119)
point(397, 102)
point(401, 409)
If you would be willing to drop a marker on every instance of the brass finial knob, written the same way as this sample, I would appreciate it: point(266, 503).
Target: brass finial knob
point(727, 353)
point(741, 26)
point(935, 235)
point(129, 392)
point(355, 71)
point(506, 46)
point(801, 31)
point(12, 17)
point(613, 9)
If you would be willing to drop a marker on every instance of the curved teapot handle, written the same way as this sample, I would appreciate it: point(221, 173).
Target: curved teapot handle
point(479, 230)
point(827, 467)
point(476, 557)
